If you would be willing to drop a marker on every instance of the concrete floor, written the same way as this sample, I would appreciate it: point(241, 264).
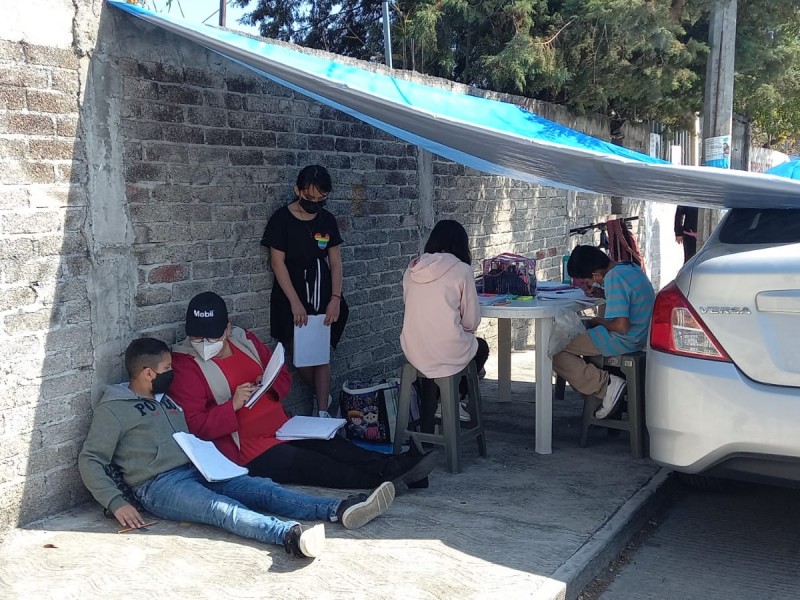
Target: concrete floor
point(513, 525)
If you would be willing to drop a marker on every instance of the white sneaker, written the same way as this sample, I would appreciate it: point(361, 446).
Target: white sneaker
point(360, 512)
point(305, 543)
point(614, 390)
point(323, 414)
point(463, 415)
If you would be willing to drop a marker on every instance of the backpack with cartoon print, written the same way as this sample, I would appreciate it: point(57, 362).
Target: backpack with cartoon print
point(370, 409)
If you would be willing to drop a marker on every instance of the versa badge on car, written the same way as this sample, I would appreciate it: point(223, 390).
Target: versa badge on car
point(725, 310)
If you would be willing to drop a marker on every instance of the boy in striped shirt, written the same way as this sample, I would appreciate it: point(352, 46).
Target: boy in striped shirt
point(629, 305)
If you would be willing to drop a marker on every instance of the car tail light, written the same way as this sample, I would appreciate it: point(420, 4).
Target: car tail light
point(677, 329)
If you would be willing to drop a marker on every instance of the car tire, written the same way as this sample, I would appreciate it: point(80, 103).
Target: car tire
point(703, 483)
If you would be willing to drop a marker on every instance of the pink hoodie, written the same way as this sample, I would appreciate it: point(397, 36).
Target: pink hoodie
point(441, 316)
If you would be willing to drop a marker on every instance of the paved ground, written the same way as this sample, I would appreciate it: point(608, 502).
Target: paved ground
point(515, 525)
point(742, 542)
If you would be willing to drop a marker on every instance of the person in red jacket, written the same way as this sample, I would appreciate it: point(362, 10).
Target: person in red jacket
point(218, 366)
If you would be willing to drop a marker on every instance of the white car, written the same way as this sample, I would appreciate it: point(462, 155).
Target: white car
point(723, 366)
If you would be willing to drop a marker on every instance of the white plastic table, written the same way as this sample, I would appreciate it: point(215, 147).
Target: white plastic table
point(542, 313)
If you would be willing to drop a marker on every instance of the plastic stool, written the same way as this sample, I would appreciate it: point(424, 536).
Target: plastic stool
point(633, 368)
point(452, 435)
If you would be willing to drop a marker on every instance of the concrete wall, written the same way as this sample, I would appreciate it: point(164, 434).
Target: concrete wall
point(139, 169)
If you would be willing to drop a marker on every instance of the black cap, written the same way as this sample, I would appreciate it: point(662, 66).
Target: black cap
point(207, 316)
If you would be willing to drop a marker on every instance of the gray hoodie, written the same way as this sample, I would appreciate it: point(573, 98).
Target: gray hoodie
point(135, 434)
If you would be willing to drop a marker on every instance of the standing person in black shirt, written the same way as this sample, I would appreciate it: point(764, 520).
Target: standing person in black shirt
point(304, 241)
point(686, 230)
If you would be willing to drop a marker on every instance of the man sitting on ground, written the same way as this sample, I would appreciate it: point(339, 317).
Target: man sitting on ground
point(629, 305)
point(132, 428)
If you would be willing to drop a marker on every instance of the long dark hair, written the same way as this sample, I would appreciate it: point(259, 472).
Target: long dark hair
point(451, 237)
point(315, 175)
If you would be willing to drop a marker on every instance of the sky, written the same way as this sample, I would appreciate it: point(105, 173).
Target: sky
point(198, 11)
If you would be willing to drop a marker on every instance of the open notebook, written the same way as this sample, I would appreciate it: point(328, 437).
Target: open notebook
point(212, 463)
point(270, 374)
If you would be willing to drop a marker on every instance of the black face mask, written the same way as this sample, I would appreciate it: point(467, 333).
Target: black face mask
point(309, 206)
point(162, 382)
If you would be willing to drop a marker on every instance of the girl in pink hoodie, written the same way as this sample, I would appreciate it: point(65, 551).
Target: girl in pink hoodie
point(442, 311)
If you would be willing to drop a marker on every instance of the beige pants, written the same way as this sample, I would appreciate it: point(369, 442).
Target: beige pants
point(582, 376)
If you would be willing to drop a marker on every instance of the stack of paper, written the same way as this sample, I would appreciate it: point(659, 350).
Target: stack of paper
point(574, 294)
point(306, 428)
point(212, 463)
point(552, 286)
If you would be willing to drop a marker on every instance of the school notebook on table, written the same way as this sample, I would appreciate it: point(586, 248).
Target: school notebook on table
point(270, 375)
point(309, 428)
point(212, 463)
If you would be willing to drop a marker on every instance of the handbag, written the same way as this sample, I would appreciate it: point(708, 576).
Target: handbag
point(508, 273)
point(370, 409)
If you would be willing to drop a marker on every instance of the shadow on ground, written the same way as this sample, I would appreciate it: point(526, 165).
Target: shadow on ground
point(500, 528)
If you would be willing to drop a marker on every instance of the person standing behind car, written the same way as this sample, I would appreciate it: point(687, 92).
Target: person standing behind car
point(686, 230)
point(303, 239)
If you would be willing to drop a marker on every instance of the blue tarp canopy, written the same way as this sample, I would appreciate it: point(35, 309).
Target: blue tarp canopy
point(789, 169)
point(488, 135)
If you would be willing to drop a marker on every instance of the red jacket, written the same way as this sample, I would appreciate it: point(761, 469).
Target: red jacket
point(209, 420)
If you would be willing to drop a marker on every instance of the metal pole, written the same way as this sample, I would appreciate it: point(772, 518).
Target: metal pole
point(387, 35)
point(223, 7)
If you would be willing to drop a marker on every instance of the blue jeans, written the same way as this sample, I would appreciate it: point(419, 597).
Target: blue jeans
point(236, 505)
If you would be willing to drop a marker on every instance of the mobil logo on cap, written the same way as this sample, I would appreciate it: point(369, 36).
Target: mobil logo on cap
point(203, 313)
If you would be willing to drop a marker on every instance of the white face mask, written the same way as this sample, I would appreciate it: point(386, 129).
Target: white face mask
point(208, 350)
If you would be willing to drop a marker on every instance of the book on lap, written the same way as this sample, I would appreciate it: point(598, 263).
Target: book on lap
point(211, 463)
point(271, 372)
point(309, 428)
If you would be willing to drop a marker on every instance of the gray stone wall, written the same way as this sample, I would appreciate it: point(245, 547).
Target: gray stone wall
point(45, 319)
point(139, 169)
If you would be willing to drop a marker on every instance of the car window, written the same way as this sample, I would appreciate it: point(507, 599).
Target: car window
point(761, 226)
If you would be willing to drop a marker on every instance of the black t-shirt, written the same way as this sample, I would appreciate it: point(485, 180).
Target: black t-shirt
point(305, 244)
point(302, 241)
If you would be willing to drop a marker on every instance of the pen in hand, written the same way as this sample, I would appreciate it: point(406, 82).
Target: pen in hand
point(143, 527)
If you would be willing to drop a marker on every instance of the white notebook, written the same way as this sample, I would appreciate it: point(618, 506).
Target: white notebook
point(312, 343)
point(270, 374)
point(212, 463)
point(305, 428)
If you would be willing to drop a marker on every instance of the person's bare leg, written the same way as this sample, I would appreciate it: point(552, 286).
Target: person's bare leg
point(307, 375)
point(322, 383)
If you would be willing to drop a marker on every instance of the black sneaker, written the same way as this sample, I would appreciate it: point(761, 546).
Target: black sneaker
point(421, 469)
point(357, 511)
point(305, 543)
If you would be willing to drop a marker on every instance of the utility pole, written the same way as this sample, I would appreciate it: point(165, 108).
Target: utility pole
point(718, 99)
point(223, 8)
point(387, 35)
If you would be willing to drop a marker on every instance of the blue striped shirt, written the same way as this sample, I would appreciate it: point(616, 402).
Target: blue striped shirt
point(630, 294)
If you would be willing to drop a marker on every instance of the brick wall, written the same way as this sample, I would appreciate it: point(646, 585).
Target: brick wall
point(45, 327)
point(141, 169)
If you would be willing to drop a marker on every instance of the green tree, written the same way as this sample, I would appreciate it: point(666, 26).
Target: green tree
point(634, 59)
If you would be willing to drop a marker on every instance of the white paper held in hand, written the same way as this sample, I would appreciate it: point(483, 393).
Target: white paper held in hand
point(211, 463)
point(312, 343)
point(270, 374)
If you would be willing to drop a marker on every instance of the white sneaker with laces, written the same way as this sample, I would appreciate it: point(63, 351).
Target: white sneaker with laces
point(463, 415)
point(614, 390)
